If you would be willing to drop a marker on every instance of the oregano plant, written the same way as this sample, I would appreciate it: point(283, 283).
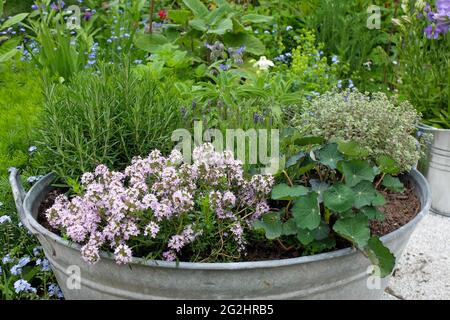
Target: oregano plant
point(329, 194)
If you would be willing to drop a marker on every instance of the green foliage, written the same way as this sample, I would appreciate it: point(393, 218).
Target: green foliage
point(8, 45)
point(310, 66)
point(342, 27)
point(106, 118)
point(20, 107)
point(382, 128)
point(338, 199)
point(424, 68)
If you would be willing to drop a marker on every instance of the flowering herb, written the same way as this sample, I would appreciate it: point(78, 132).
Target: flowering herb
point(162, 208)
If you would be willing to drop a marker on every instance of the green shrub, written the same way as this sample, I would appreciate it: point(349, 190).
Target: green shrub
point(380, 124)
point(20, 106)
point(107, 117)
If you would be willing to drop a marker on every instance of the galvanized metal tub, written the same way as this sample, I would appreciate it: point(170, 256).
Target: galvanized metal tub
point(436, 167)
point(341, 274)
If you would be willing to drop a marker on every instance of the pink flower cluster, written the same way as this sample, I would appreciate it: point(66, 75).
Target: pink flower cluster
point(156, 195)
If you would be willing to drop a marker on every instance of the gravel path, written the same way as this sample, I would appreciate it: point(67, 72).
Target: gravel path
point(423, 271)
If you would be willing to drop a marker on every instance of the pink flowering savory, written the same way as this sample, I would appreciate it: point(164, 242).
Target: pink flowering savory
point(162, 208)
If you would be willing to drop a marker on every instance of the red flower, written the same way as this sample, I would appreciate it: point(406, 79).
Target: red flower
point(162, 14)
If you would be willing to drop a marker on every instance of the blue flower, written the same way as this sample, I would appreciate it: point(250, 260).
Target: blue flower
point(23, 286)
point(289, 28)
point(24, 261)
point(16, 270)
point(35, 7)
point(4, 219)
point(37, 250)
point(339, 84)
point(44, 263)
point(350, 84)
point(335, 59)
point(55, 291)
point(6, 259)
point(224, 67)
point(32, 149)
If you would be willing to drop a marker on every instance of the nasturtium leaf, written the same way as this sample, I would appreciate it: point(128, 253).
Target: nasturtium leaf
point(222, 27)
point(379, 200)
point(319, 187)
point(197, 7)
point(365, 193)
point(347, 214)
point(289, 228)
point(198, 24)
point(356, 171)
point(309, 140)
point(307, 165)
point(330, 156)
point(380, 256)
point(339, 198)
point(271, 224)
point(306, 211)
point(372, 213)
point(321, 232)
point(292, 161)
point(388, 165)
point(352, 149)
point(305, 236)
point(393, 184)
point(284, 192)
point(355, 229)
point(321, 245)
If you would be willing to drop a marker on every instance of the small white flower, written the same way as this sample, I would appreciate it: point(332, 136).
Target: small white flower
point(263, 63)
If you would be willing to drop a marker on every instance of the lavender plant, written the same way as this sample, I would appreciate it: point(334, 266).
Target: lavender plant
point(162, 208)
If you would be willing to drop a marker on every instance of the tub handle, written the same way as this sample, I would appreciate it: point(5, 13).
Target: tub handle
point(19, 195)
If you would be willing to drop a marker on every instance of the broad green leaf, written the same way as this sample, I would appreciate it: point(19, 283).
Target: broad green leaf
point(322, 232)
point(284, 192)
point(289, 228)
point(306, 211)
point(379, 200)
point(179, 16)
point(197, 7)
point(198, 24)
point(14, 20)
point(8, 49)
point(292, 161)
point(217, 14)
point(256, 18)
point(388, 165)
point(224, 26)
point(352, 149)
point(356, 171)
point(305, 236)
point(365, 193)
point(1, 8)
point(150, 42)
point(319, 187)
point(380, 256)
point(372, 213)
point(393, 184)
point(330, 156)
point(309, 140)
point(339, 198)
point(271, 224)
point(319, 246)
point(307, 165)
point(355, 229)
point(253, 44)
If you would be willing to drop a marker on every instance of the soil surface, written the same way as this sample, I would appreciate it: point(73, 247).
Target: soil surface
point(400, 208)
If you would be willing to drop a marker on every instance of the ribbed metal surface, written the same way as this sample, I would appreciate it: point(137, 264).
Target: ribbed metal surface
point(337, 275)
point(436, 167)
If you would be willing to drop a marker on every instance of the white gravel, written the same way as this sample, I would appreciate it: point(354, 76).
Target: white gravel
point(423, 272)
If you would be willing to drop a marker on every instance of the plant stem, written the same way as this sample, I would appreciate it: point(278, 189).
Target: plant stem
point(150, 18)
point(288, 178)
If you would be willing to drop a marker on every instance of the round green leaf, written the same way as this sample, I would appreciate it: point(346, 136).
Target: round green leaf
point(356, 171)
point(355, 229)
point(365, 193)
point(330, 156)
point(306, 211)
point(352, 149)
point(284, 192)
point(393, 184)
point(380, 256)
point(339, 198)
point(271, 224)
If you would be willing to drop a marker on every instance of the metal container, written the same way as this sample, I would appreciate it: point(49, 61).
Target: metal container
point(436, 167)
point(342, 274)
